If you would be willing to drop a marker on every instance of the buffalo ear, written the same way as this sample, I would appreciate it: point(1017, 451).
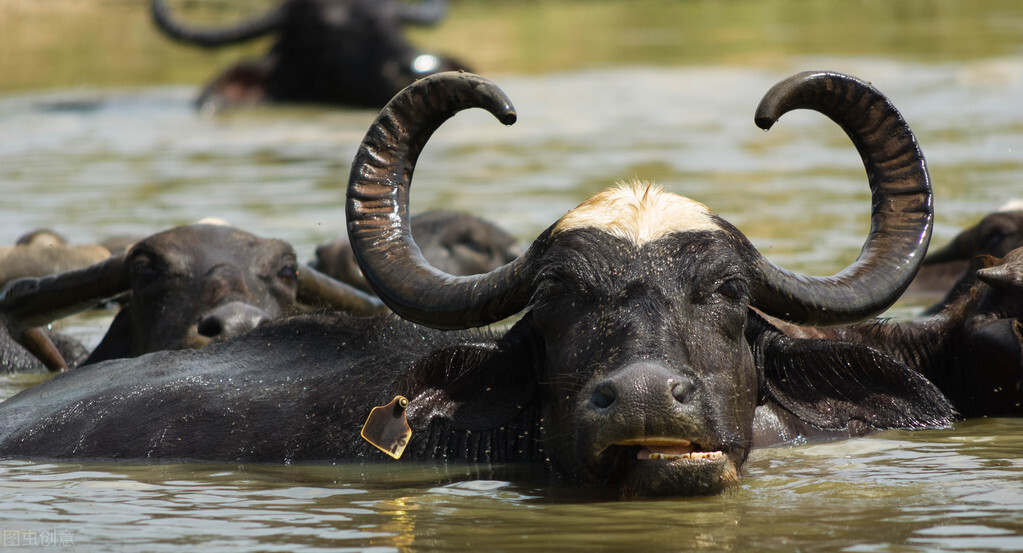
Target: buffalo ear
point(477, 387)
point(830, 383)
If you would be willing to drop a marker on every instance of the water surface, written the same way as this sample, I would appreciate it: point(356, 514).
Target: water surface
point(956, 490)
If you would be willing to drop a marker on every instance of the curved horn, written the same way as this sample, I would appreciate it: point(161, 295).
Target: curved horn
point(1005, 274)
point(42, 347)
point(211, 37)
point(902, 212)
point(320, 290)
point(377, 210)
point(32, 302)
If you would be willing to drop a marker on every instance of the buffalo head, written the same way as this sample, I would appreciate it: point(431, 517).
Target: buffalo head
point(183, 288)
point(996, 234)
point(456, 243)
point(350, 52)
point(639, 301)
point(42, 252)
point(972, 347)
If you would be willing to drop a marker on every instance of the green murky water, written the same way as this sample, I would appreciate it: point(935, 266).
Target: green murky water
point(98, 138)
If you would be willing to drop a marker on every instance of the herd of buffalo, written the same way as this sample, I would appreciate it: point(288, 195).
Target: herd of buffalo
point(639, 344)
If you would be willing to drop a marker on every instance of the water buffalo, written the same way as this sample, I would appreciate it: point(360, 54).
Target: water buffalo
point(971, 348)
point(186, 287)
point(347, 52)
point(42, 252)
point(37, 253)
point(996, 234)
point(456, 243)
point(639, 363)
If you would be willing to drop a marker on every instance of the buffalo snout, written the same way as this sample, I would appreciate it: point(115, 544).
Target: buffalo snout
point(231, 319)
point(640, 387)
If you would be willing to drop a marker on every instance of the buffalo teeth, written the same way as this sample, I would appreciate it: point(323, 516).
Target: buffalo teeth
point(695, 455)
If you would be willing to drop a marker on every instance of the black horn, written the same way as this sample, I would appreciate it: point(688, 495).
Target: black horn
point(210, 36)
point(319, 290)
point(377, 210)
point(902, 211)
point(32, 302)
point(39, 344)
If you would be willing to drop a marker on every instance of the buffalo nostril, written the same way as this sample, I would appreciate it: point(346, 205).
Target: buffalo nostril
point(681, 389)
point(210, 326)
point(603, 396)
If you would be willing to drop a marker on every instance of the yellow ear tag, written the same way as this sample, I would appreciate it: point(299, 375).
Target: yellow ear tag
point(386, 427)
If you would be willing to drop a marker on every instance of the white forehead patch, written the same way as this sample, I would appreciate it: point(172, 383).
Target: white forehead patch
point(638, 211)
point(216, 221)
point(1012, 205)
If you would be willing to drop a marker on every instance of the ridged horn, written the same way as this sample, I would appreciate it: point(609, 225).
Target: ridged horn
point(377, 210)
point(902, 213)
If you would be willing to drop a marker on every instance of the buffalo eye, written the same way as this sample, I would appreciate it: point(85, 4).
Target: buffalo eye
point(556, 285)
point(551, 287)
point(143, 268)
point(993, 240)
point(288, 274)
point(475, 246)
point(733, 289)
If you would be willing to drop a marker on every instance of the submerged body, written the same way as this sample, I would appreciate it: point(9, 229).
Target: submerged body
point(300, 389)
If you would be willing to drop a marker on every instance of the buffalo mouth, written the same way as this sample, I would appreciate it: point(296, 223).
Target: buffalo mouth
point(668, 449)
point(665, 466)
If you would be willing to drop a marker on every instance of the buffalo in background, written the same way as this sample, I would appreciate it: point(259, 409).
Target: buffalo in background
point(43, 252)
point(970, 345)
point(183, 288)
point(639, 364)
point(39, 253)
point(996, 234)
point(456, 243)
point(341, 52)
